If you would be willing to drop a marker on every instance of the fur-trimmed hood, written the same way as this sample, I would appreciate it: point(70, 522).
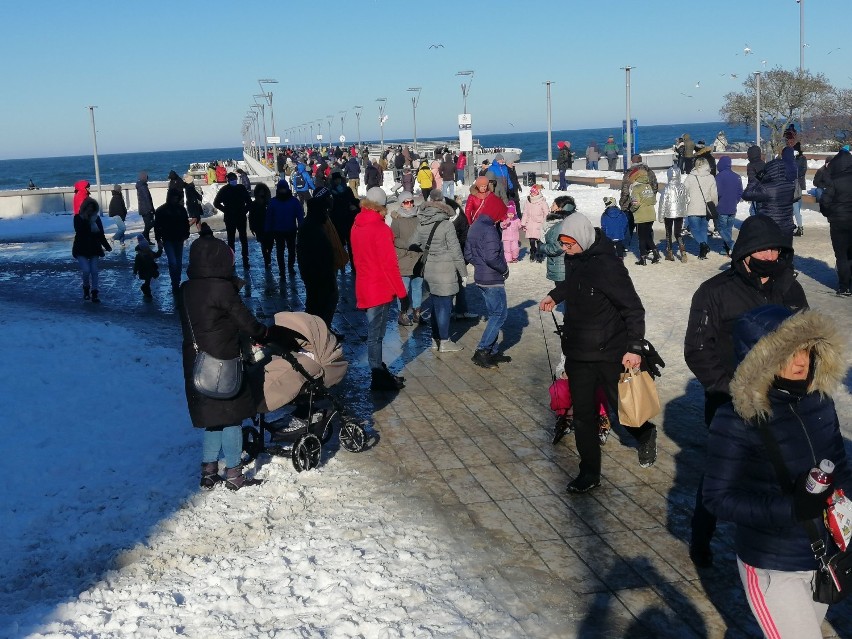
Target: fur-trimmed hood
point(765, 339)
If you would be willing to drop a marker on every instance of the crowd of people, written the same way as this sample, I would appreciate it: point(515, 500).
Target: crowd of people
point(763, 358)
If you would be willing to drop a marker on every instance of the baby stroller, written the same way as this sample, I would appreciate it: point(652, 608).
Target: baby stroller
point(301, 381)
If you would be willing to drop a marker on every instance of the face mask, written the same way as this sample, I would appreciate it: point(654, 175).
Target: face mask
point(765, 268)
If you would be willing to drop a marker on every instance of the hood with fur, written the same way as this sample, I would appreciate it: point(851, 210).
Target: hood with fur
point(764, 340)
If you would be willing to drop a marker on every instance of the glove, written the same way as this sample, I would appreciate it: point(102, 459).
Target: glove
point(282, 337)
point(464, 281)
point(807, 505)
point(651, 359)
point(506, 275)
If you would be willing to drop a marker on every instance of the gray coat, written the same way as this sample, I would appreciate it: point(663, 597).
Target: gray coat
point(403, 227)
point(444, 264)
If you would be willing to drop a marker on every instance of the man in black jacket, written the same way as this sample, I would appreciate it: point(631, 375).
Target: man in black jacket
point(761, 273)
point(234, 201)
point(603, 334)
point(836, 205)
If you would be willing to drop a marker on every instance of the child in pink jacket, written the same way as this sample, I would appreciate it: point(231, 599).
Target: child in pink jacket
point(511, 233)
point(536, 209)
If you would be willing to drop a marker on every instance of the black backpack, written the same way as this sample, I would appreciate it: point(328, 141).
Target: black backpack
point(299, 180)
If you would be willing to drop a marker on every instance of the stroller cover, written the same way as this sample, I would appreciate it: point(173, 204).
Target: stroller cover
point(320, 355)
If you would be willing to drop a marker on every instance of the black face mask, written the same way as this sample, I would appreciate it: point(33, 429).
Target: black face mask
point(766, 268)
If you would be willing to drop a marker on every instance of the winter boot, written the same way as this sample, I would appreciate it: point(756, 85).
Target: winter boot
point(234, 479)
point(210, 475)
point(643, 260)
point(703, 251)
point(95, 298)
point(399, 379)
point(682, 250)
point(383, 380)
point(146, 290)
point(656, 258)
point(799, 232)
point(669, 254)
point(86, 295)
point(482, 358)
point(727, 249)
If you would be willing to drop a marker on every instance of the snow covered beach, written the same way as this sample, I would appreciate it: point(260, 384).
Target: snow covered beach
point(106, 535)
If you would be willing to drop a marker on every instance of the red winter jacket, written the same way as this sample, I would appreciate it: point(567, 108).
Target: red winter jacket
point(377, 279)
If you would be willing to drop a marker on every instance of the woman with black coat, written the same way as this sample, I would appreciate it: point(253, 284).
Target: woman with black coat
point(89, 242)
point(257, 222)
point(171, 228)
point(118, 210)
point(315, 255)
point(193, 199)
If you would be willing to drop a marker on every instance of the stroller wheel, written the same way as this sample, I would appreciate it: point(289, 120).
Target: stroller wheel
point(252, 443)
point(306, 452)
point(353, 437)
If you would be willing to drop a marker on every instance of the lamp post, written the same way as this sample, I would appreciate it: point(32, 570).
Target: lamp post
point(802, 44)
point(261, 82)
point(342, 118)
point(549, 142)
point(97, 166)
point(757, 113)
point(465, 87)
point(414, 101)
point(358, 117)
point(330, 120)
point(312, 134)
point(263, 119)
point(629, 135)
point(382, 102)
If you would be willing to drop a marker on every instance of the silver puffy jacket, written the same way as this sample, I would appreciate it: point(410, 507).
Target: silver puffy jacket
point(674, 198)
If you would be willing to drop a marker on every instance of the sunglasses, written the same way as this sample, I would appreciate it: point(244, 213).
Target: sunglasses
point(408, 201)
point(567, 244)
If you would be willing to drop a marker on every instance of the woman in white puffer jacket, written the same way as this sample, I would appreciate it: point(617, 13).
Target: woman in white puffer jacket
point(701, 189)
point(671, 210)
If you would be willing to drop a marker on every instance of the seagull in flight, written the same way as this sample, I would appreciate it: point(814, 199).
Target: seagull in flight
point(698, 84)
point(511, 125)
point(685, 95)
point(734, 76)
point(436, 46)
point(746, 50)
point(832, 51)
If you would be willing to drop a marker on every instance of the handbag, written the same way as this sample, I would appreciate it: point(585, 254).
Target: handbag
point(420, 264)
point(833, 578)
point(638, 400)
point(213, 377)
point(710, 211)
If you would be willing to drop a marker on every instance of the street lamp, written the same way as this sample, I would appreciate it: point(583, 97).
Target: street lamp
point(263, 119)
point(414, 101)
point(629, 135)
point(382, 118)
point(342, 118)
point(97, 166)
point(330, 120)
point(261, 82)
point(802, 44)
point(465, 87)
point(312, 133)
point(757, 96)
point(549, 142)
point(358, 117)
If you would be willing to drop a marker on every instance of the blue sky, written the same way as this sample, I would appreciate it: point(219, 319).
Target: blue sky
point(168, 75)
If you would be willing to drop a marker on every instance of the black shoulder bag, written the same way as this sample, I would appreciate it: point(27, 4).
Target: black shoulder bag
point(213, 377)
point(420, 264)
point(710, 211)
point(833, 579)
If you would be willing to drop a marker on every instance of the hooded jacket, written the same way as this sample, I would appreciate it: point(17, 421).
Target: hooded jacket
point(614, 223)
point(773, 192)
point(445, 263)
point(700, 189)
point(377, 279)
point(729, 186)
point(565, 160)
point(836, 201)
point(89, 238)
point(718, 302)
point(309, 183)
point(741, 484)
point(81, 192)
point(143, 197)
point(549, 246)
point(117, 207)
point(755, 163)
point(629, 178)
point(535, 212)
point(484, 250)
point(234, 201)
point(284, 213)
point(171, 222)
point(642, 197)
point(353, 169)
point(212, 302)
point(674, 197)
point(490, 205)
point(603, 313)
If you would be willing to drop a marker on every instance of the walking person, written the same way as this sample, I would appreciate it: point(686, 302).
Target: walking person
point(461, 163)
point(344, 208)
point(801, 185)
point(593, 155)
point(760, 273)
point(729, 186)
point(145, 265)
point(146, 204)
point(302, 184)
point(755, 165)
point(448, 175)
point(425, 179)
point(234, 201)
point(316, 257)
point(193, 200)
point(535, 212)
point(643, 199)
point(171, 228)
point(780, 423)
point(610, 152)
point(353, 172)
point(637, 168)
point(445, 269)
point(836, 205)
point(482, 201)
point(510, 234)
point(257, 222)
point(283, 217)
point(403, 225)
point(89, 241)
point(118, 211)
point(672, 211)
point(603, 334)
point(549, 248)
point(700, 189)
point(614, 226)
point(377, 282)
point(774, 190)
point(484, 250)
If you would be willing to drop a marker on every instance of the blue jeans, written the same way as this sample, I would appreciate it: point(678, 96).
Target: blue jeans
point(414, 286)
point(497, 310)
point(228, 441)
point(724, 224)
point(460, 305)
point(448, 189)
point(441, 308)
point(563, 183)
point(460, 175)
point(121, 227)
point(174, 255)
point(816, 192)
point(797, 212)
point(698, 227)
point(592, 166)
point(89, 266)
point(377, 322)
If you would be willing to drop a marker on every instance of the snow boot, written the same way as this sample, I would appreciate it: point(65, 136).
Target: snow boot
point(682, 250)
point(234, 479)
point(86, 295)
point(95, 298)
point(656, 258)
point(210, 475)
point(799, 232)
point(383, 380)
point(669, 254)
point(703, 251)
point(399, 379)
point(482, 358)
point(643, 260)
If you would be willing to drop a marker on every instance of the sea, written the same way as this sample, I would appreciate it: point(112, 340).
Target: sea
point(125, 167)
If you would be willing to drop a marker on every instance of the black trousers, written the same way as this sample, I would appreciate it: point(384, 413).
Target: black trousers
point(148, 220)
point(234, 227)
point(321, 299)
point(282, 239)
point(703, 521)
point(674, 225)
point(645, 231)
point(841, 242)
point(583, 379)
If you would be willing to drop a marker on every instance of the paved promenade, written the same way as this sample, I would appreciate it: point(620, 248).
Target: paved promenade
point(476, 443)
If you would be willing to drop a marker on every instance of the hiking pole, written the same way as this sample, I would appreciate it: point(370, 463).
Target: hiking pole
point(546, 349)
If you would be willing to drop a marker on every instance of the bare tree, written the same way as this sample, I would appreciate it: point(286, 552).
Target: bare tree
point(784, 97)
point(833, 122)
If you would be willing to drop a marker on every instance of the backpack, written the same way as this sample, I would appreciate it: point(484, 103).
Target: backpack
point(641, 194)
point(299, 182)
